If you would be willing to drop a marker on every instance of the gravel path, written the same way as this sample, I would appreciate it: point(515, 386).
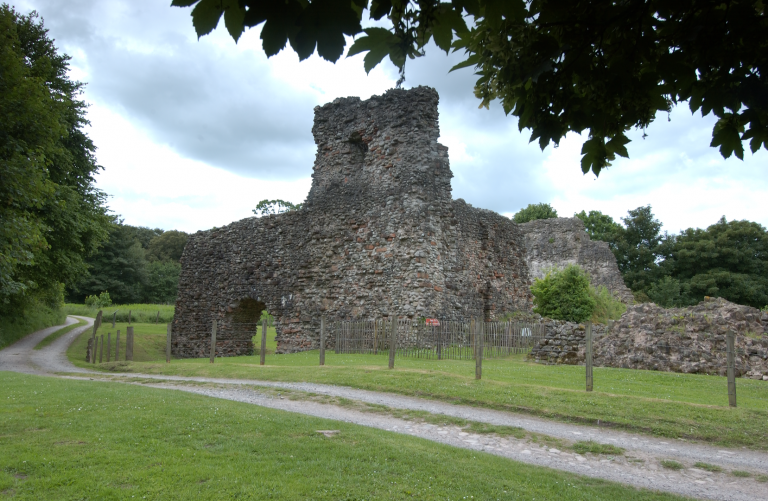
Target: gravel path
point(639, 466)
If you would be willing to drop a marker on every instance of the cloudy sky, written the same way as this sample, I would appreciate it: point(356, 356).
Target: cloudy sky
point(193, 133)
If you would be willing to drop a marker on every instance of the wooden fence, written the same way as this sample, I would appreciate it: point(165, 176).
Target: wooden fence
point(443, 340)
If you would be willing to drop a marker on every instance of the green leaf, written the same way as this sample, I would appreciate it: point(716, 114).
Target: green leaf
point(726, 136)
point(472, 60)
point(233, 19)
point(206, 15)
point(616, 146)
point(374, 57)
point(273, 37)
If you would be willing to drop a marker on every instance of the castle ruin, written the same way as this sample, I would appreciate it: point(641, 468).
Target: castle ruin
point(379, 235)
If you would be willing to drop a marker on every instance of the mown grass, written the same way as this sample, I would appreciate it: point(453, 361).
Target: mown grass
point(22, 323)
point(592, 447)
point(687, 406)
point(708, 467)
point(56, 335)
point(140, 313)
point(65, 439)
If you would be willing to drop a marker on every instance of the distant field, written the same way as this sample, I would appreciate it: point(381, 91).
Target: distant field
point(140, 313)
point(64, 439)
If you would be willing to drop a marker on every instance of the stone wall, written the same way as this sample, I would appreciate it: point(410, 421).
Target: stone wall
point(564, 342)
point(689, 340)
point(378, 236)
point(558, 242)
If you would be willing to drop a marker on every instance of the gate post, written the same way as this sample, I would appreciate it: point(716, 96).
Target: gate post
point(588, 356)
point(392, 342)
point(322, 340)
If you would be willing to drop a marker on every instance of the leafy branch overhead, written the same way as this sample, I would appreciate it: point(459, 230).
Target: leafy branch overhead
point(599, 66)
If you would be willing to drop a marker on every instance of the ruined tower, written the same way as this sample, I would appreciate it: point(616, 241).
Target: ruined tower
point(378, 235)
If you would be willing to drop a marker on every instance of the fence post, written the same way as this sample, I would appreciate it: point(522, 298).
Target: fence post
point(322, 340)
point(729, 341)
point(157, 318)
point(114, 318)
point(263, 350)
point(588, 356)
point(213, 341)
point(109, 344)
point(168, 344)
point(479, 335)
point(117, 346)
point(101, 348)
point(392, 342)
point(129, 344)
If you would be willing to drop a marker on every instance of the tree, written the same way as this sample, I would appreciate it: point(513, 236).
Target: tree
point(51, 215)
point(729, 259)
point(558, 65)
point(119, 267)
point(641, 250)
point(167, 247)
point(267, 207)
point(601, 227)
point(533, 212)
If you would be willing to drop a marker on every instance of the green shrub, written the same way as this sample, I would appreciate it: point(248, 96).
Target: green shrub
point(564, 295)
point(100, 301)
point(607, 307)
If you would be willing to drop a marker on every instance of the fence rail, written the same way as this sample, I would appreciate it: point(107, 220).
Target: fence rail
point(441, 340)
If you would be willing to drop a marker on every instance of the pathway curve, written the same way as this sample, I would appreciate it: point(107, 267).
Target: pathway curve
point(639, 466)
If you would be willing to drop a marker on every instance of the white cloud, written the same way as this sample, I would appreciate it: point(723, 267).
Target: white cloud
point(194, 133)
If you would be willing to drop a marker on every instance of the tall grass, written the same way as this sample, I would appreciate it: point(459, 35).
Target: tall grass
point(32, 318)
point(140, 313)
point(607, 307)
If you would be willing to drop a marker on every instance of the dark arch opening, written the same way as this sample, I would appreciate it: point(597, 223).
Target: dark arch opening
point(245, 322)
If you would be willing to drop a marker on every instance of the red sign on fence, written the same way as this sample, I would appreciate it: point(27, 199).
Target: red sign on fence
point(432, 321)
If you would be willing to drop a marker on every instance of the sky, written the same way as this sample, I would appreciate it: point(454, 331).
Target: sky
point(193, 133)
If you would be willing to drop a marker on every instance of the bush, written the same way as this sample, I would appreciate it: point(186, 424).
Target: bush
point(564, 295)
point(99, 301)
point(26, 319)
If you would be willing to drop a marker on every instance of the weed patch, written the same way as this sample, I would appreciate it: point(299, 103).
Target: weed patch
point(592, 447)
point(708, 467)
point(670, 464)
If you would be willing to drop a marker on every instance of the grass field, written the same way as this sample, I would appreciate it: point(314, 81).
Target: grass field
point(687, 406)
point(140, 313)
point(92, 440)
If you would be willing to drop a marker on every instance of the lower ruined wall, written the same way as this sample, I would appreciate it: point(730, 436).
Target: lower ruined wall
point(564, 342)
point(687, 340)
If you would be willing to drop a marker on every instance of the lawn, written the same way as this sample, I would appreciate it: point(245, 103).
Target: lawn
point(665, 404)
point(65, 439)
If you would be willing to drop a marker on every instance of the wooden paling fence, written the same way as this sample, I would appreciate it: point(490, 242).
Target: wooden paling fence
point(442, 340)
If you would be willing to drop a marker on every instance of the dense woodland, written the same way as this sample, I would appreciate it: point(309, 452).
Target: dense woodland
point(135, 265)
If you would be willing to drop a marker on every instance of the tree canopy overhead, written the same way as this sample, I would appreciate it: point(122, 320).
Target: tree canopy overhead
point(600, 66)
